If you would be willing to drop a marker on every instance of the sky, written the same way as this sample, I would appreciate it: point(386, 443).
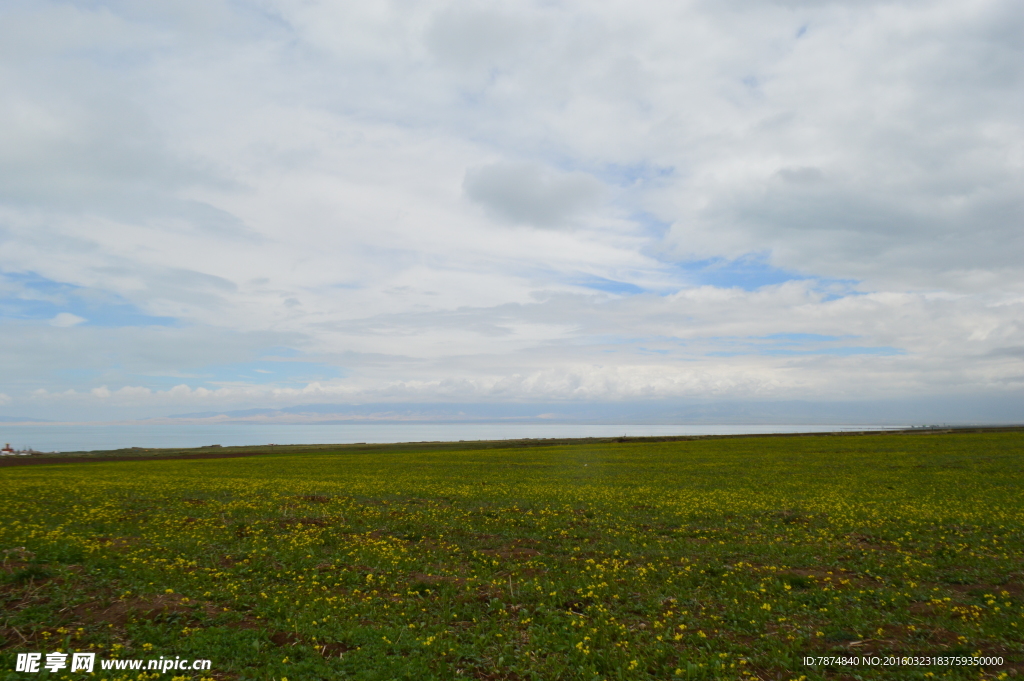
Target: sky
point(211, 205)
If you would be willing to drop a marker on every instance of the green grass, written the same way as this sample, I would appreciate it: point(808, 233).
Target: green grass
point(720, 558)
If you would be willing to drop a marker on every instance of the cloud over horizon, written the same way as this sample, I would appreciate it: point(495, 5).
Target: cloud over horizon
point(237, 205)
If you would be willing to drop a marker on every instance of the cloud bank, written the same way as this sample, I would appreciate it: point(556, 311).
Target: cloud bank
point(229, 205)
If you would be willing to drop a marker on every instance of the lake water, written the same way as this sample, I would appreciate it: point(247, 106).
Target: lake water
point(69, 438)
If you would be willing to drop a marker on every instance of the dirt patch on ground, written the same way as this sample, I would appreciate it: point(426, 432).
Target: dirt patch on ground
point(318, 522)
point(833, 579)
point(282, 639)
point(980, 590)
point(900, 638)
point(866, 543)
point(512, 552)
point(377, 534)
point(13, 637)
point(120, 543)
point(492, 675)
point(155, 607)
point(36, 460)
point(923, 609)
point(314, 498)
point(755, 672)
point(790, 516)
point(423, 578)
point(531, 572)
point(517, 549)
point(288, 639)
point(335, 649)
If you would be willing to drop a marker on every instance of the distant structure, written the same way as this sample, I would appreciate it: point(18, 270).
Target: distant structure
point(10, 451)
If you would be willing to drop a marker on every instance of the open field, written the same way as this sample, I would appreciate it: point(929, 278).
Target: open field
point(728, 558)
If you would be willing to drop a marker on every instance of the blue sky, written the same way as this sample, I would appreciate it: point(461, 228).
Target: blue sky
point(216, 206)
point(28, 297)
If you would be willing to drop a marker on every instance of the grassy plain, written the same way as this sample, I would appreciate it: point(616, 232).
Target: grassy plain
point(709, 559)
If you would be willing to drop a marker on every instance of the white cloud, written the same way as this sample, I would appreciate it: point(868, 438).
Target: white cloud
point(65, 319)
point(460, 199)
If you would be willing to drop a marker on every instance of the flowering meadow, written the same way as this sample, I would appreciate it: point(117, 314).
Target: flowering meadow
point(728, 558)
